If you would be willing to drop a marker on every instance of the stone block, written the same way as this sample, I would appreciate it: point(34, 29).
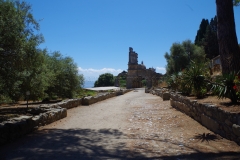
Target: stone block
point(172, 103)
point(87, 100)
point(226, 128)
point(166, 96)
point(118, 93)
point(238, 119)
point(228, 122)
point(147, 90)
point(236, 129)
point(210, 123)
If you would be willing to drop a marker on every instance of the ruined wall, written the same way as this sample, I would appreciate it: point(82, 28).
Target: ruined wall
point(15, 128)
point(138, 72)
point(215, 119)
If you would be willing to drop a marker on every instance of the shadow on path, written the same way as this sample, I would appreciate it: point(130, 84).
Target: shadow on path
point(69, 144)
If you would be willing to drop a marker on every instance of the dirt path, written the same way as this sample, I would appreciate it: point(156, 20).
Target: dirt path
point(132, 126)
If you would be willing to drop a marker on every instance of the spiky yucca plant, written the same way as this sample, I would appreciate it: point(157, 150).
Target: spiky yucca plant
point(193, 78)
point(224, 87)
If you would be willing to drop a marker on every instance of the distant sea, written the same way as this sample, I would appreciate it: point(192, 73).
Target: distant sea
point(88, 84)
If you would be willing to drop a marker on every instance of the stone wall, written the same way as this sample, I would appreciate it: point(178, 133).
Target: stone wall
point(162, 92)
point(215, 119)
point(19, 126)
point(43, 115)
point(90, 100)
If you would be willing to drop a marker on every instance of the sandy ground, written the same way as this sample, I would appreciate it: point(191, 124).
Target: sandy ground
point(132, 126)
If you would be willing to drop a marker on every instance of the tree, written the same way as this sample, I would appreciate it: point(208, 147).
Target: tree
point(106, 79)
point(181, 54)
point(18, 46)
point(227, 39)
point(207, 37)
point(65, 80)
point(210, 42)
point(25, 67)
point(201, 32)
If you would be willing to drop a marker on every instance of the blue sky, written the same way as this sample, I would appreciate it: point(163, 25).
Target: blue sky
point(98, 33)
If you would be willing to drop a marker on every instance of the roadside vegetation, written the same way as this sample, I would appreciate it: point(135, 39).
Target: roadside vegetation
point(189, 70)
point(106, 79)
point(85, 93)
point(25, 68)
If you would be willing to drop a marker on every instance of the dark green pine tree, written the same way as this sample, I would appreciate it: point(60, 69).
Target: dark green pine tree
point(210, 39)
point(201, 32)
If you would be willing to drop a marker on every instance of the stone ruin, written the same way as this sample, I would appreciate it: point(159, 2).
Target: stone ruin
point(138, 72)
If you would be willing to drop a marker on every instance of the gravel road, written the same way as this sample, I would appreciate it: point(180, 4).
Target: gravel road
point(131, 126)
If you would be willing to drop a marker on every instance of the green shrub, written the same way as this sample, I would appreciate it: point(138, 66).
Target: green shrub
point(225, 87)
point(193, 79)
point(106, 79)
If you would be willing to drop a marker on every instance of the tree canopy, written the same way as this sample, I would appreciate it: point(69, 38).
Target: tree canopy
point(181, 54)
point(106, 79)
point(207, 37)
point(25, 67)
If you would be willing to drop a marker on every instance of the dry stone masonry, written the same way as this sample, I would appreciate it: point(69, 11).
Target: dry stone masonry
point(221, 122)
point(224, 123)
point(43, 115)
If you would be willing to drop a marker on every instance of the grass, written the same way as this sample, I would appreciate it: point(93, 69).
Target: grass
point(85, 92)
point(122, 83)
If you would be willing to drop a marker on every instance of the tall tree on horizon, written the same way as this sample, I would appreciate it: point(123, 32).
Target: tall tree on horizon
point(227, 38)
point(210, 43)
point(201, 32)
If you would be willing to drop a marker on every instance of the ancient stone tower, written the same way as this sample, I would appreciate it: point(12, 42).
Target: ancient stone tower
point(138, 72)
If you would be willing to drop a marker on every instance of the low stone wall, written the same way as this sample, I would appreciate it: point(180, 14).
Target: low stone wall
point(162, 92)
point(70, 103)
point(215, 119)
point(90, 100)
point(43, 115)
point(19, 126)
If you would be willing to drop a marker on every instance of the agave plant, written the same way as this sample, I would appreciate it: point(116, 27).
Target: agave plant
point(224, 87)
point(193, 78)
point(173, 81)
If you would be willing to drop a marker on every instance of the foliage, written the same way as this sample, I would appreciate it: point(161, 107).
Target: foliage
point(144, 82)
point(25, 67)
point(174, 80)
point(201, 32)
point(236, 87)
point(193, 79)
point(85, 92)
point(106, 79)
point(181, 54)
point(210, 41)
point(226, 86)
point(18, 46)
point(65, 80)
point(122, 81)
point(236, 2)
point(207, 37)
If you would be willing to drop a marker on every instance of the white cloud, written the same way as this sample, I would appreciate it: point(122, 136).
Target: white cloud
point(161, 70)
point(91, 74)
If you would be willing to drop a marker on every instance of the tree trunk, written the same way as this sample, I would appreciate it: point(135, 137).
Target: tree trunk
point(227, 38)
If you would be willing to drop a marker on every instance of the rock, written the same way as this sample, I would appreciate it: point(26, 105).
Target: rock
point(228, 122)
point(166, 96)
point(236, 129)
point(210, 123)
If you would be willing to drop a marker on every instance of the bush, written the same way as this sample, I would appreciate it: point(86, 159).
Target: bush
point(106, 79)
point(193, 78)
point(227, 86)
